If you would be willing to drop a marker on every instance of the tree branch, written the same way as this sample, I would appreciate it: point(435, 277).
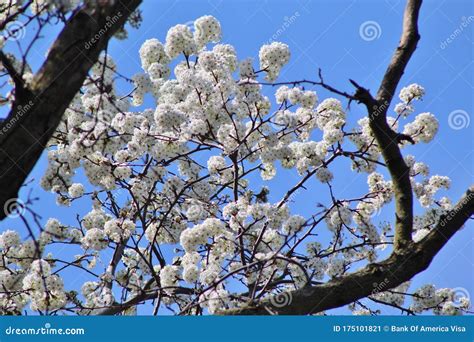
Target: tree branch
point(397, 269)
point(35, 116)
point(403, 53)
point(386, 138)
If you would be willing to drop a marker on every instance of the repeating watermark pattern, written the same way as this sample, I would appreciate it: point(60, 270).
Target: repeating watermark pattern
point(14, 208)
point(460, 296)
point(9, 123)
point(110, 21)
point(46, 330)
point(190, 24)
point(376, 212)
point(287, 22)
point(380, 287)
point(458, 119)
point(281, 300)
point(465, 22)
point(14, 31)
point(380, 108)
point(449, 216)
point(370, 30)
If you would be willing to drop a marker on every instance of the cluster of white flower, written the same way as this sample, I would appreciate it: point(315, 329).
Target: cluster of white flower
point(55, 230)
point(216, 163)
point(97, 295)
point(423, 128)
point(76, 190)
point(335, 267)
point(427, 189)
point(324, 175)
point(8, 239)
point(95, 239)
point(215, 299)
point(272, 58)
point(45, 289)
point(364, 139)
point(180, 40)
point(169, 276)
point(119, 230)
point(395, 296)
point(412, 92)
point(339, 215)
point(207, 29)
point(307, 98)
point(180, 173)
point(136, 260)
point(294, 224)
point(443, 301)
point(167, 230)
point(191, 238)
point(306, 154)
point(190, 267)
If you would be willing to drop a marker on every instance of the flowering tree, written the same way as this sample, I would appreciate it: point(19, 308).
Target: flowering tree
point(178, 215)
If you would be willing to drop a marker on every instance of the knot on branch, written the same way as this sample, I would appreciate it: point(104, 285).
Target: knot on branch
point(362, 95)
point(400, 137)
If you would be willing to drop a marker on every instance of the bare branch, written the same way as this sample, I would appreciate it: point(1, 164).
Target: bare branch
point(386, 138)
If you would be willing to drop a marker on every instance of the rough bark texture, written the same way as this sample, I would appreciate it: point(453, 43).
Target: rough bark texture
point(38, 109)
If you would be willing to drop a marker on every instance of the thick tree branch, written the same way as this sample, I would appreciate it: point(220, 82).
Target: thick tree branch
point(386, 138)
point(407, 45)
point(397, 269)
point(35, 116)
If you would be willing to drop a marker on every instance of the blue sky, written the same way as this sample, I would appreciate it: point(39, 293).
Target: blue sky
point(327, 35)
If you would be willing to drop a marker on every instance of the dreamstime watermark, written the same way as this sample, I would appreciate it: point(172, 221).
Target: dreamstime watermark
point(370, 30)
point(14, 31)
point(449, 216)
point(110, 21)
point(46, 330)
point(190, 24)
point(10, 122)
point(287, 22)
point(14, 207)
point(460, 296)
point(379, 109)
point(380, 287)
point(458, 119)
point(465, 22)
point(281, 300)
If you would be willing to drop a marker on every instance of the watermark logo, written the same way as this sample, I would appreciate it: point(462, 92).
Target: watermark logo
point(15, 30)
point(370, 30)
point(46, 330)
point(19, 113)
point(460, 296)
point(465, 22)
point(14, 208)
point(110, 22)
point(287, 22)
point(380, 287)
point(458, 119)
point(281, 300)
